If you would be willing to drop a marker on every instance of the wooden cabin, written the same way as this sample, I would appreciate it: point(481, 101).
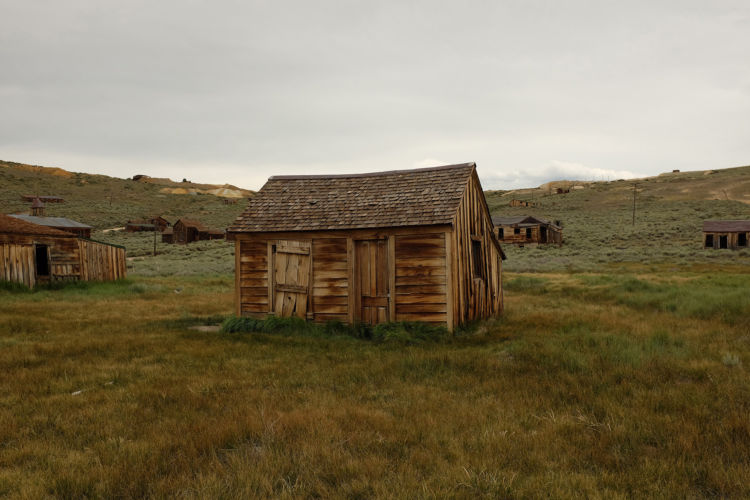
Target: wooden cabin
point(31, 254)
point(157, 223)
point(521, 203)
point(409, 245)
point(731, 234)
point(43, 199)
point(187, 231)
point(525, 230)
point(61, 223)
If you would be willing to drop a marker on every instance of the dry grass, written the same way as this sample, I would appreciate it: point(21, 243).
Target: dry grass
point(580, 390)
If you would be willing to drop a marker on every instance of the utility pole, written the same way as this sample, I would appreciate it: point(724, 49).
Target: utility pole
point(635, 185)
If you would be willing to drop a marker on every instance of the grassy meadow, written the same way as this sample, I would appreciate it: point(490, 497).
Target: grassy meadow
point(618, 370)
point(608, 385)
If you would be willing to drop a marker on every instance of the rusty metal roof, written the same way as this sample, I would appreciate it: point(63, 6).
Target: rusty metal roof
point(726, 226)
point(425, 196)
point(58, 222)
point(14, 225)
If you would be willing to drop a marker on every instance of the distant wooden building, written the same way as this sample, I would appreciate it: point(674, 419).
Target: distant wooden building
point(521, 203)
point(525, 229)
point(187, 231)
point(732, 234)
point(211, 234)
point(157, 223)
point(61, 223)
point(43, 199)
point(31, 254)
point(411, 245)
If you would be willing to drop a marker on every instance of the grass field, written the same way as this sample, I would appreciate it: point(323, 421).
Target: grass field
point(615, 385)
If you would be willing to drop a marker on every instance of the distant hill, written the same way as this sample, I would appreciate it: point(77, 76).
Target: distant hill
point(107, 202)
point(598, 226)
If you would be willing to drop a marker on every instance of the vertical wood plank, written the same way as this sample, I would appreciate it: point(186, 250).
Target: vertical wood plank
point(237, 274)
point(271, 273)
point(449, 281)
point(352, 288)
point(391, 278)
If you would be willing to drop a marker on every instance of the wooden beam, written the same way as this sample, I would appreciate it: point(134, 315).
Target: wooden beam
point(352, 289)
point(449, 280)
point(392, 278)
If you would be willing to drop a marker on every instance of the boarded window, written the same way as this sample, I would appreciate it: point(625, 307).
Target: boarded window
point(478, 258)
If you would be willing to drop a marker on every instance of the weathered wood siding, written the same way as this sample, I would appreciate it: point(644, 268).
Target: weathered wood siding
point(476, 295)
point(421, 278)
point(252, 274)
point(732, 240)
point(522, 238)
point(330, 290)
point(68, 259)
point(17, 263)
point(101, 262)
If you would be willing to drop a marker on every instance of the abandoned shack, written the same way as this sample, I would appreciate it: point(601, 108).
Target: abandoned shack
point(525, 229)
point(521, 203)
point(44, 199)
point(187, 231)
point(410, 245)
point(732, 234)
point(61, 223)
point(157, 223)
point(31, 254)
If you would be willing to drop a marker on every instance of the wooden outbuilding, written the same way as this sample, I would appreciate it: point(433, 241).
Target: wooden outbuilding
point(211, 234)
point(187, 231)
point(732, 234)
point(409, 245)
point(525, 229)
point(61, 223)
point(31, 254)
point(43, 199)
point(521, 203)
point(157, 223)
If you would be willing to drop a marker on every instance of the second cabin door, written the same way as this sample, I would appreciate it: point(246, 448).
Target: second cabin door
point(290, 283)
point(372, 295)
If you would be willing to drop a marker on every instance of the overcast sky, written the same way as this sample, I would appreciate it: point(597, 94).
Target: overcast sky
point(223, 91)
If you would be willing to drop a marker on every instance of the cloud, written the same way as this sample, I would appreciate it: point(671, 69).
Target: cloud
point(555, 170)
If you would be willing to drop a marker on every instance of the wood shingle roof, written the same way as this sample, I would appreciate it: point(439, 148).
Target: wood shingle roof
point(425, 196)
point(726, 226)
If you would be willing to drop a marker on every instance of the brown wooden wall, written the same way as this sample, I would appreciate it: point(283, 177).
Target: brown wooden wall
point(554, 236)
point(732, 240)
point(101, 262)
point(69, 259)
point(421, 278)
point(413, 269)
point(478, 296)
point(17, 263)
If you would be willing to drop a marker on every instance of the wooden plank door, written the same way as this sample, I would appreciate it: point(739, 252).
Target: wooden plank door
point(372, 290)
point(290, 284)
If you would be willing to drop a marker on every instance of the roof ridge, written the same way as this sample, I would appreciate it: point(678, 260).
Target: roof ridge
point(371, 174)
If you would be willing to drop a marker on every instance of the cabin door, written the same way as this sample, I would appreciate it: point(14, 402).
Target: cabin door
point(372, 293)
point(290, 277)
point(542, 234)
